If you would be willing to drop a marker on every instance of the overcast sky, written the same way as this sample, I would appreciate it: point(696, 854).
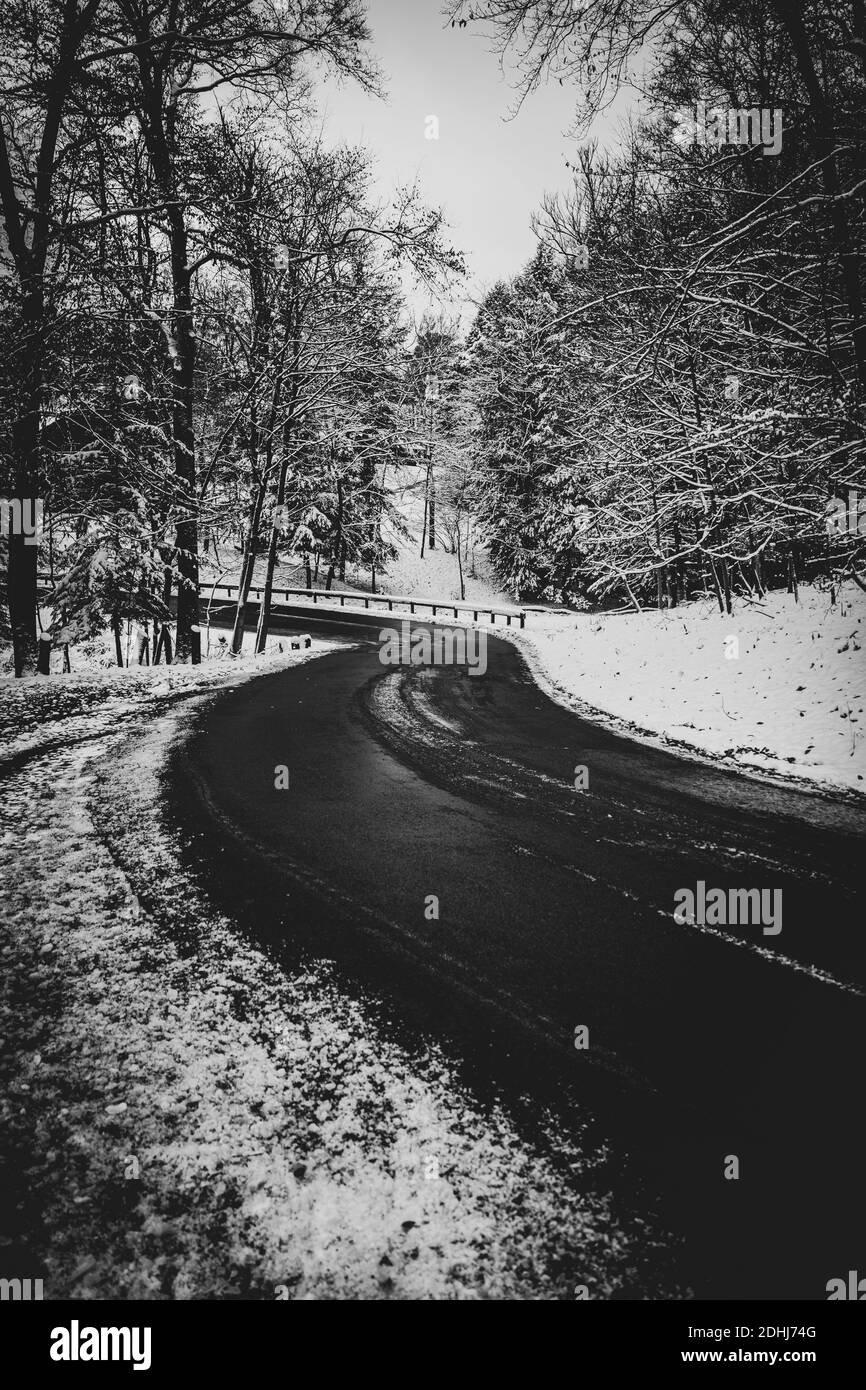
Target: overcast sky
point(487, 172)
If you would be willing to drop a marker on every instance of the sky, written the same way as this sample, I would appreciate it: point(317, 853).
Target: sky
point(487, 172)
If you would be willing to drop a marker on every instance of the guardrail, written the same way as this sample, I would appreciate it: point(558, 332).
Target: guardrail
point(351, 596)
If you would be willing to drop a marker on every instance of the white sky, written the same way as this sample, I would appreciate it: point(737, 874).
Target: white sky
point(487, 172)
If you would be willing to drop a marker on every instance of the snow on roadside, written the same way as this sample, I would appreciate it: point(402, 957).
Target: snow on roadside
point(183, 1119)
point(786, 695)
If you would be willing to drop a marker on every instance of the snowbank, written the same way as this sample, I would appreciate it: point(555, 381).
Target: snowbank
point(777, 686)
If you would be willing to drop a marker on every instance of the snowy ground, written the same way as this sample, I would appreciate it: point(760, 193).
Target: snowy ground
point(183, 1119)
point(778, 686)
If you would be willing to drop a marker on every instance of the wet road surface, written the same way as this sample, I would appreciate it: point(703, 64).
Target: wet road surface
point(555, 910)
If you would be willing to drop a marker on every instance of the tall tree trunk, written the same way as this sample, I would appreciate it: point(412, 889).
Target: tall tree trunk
point(21, 593)
point(118, 645)
point(757, 568)
point(681, 567)
point(163, 645)
point(431, 485)
point(188, 645)
point(726, 584)
point(163, 641)
point(426, 505)
point(22, 557)
point(672, 586)
point(248, 567)
point(716, 585)
point(264, 622)
point(159, 126)
point(338, 536)
point(660, 573)
point(792, 574)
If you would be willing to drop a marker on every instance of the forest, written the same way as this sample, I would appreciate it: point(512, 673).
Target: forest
point(209, 354)
point(670, 395)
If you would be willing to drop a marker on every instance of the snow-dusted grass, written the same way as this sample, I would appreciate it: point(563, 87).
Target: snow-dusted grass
point(183, 1119)
point(789, 698)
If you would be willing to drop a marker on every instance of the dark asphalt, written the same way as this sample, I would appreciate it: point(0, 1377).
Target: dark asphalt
point(556, 909)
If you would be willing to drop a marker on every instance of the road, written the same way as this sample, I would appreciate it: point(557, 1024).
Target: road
point(556, 910)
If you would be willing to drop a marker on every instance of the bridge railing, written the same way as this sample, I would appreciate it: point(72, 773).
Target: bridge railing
point(389, 600)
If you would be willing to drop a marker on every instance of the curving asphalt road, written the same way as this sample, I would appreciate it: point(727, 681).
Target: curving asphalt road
point(555, 910)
